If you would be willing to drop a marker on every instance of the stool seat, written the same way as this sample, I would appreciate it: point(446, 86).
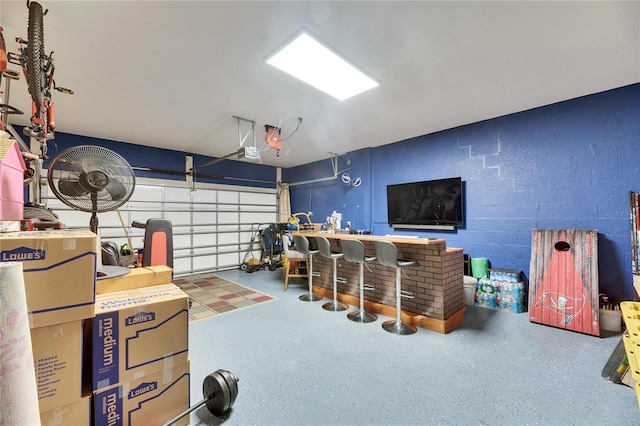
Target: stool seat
point(324, 247)
point(302, 245)
point(354, 251)
point(291, 271)
point(387, 254)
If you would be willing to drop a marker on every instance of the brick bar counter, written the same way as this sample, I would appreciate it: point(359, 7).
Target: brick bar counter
point(437, 283)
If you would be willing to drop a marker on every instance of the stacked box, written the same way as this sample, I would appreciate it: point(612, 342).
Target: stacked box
point(57, 356)
point(138, 332)
point(505, 289)
point(139, 362)
point(59, 269)
point(148, 276)
point(147, 335)
point(512, 291)
point(487, 293)
point(76, 413)
point(153, 399)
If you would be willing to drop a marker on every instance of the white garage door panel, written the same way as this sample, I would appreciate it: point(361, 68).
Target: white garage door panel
point(246, 198)
point(227, 218)
point(177, 195)
point(229, 197)
point(178, 218)
point(107, 219)
point(228, 259)
point(204, 196)
point(148, 192)
point(182, 242)
point(204, 240)
point(180, 264)
point(212, 226)
point(229, 238)
point(205, 217)
point(261, 219)
point(144, 209)
point(201, 263)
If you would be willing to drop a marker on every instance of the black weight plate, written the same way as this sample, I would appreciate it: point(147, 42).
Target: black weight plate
point(221, 389)
point(232, 382)
point(210, 385)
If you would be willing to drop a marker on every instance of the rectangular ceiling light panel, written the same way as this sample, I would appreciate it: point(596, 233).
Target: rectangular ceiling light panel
point(312, 62)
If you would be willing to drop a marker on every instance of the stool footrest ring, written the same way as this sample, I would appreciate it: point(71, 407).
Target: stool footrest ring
point(406, 294)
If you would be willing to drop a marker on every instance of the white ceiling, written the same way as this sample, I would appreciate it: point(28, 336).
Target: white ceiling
point(172, 74)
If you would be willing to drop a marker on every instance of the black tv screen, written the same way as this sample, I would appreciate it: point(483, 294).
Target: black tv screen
point(431, 204)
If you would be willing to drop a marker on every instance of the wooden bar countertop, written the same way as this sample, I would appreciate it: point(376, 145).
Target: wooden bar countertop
point(368, 237)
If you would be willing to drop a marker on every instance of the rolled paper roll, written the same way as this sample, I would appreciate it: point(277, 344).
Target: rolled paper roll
point(18, 388)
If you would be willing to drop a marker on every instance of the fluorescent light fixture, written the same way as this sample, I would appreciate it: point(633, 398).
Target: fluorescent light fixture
point(314, 63)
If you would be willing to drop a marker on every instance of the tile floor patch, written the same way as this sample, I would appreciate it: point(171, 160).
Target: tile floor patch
point(211, 295)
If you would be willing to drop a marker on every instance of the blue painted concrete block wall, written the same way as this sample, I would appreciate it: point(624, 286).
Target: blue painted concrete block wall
point(567, 165)
point(143, 157)
point(323, 197)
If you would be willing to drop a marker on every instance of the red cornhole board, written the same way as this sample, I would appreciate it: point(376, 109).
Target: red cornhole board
point(563, 287)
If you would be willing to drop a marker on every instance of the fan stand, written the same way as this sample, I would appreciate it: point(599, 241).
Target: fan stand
point(93, 222)
point(99, 176)
point(103, 271)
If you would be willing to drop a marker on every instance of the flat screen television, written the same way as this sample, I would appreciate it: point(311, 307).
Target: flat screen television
point(431, 204)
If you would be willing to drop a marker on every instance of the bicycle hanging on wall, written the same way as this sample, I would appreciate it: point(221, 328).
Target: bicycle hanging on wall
point(39, 70)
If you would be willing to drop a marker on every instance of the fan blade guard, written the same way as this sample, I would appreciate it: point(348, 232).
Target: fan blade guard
point(91, 178)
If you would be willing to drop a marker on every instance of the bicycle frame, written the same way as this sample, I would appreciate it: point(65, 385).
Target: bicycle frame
point(39, 72)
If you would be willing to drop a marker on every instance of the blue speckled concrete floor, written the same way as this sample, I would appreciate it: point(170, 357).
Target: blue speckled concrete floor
point(301, 365)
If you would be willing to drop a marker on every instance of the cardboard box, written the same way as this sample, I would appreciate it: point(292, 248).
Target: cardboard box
point(138, 332)
point(137, 278)
point(153, 399)
point(57, 356)
point(76, 413)
point(59, 273)
point(12, 169)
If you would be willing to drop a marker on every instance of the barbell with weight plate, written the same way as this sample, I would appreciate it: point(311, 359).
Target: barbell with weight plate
point(219, 391)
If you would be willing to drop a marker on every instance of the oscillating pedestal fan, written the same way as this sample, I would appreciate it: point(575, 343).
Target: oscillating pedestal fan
point(91, 179)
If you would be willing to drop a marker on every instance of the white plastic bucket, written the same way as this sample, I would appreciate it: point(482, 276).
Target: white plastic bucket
point(469, 290)
point(610, 320)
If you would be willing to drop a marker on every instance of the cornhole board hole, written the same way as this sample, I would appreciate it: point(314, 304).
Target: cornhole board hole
point(563, 283)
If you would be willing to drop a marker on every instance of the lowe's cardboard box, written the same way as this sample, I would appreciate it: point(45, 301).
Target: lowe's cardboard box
point(76, 413)
point(136, 278)
point(58, 357)
point(137, 332)
point(152, 399)
point(59, 272)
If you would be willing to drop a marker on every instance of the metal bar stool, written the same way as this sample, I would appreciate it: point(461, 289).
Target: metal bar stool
point(295, 263)
point(302, 245)
point(387, 254)
point(325, 251)
point(354, 251)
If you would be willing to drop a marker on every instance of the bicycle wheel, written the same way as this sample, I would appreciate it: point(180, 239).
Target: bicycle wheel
point(35, 56)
